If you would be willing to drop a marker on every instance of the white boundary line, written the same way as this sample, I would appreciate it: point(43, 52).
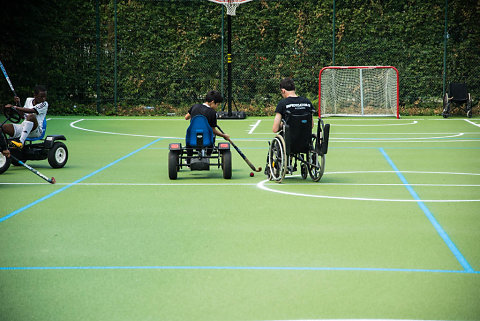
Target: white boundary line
point(262, 186)
point(393, 139)
point(254, 126)
point(471, 122)
point(380, 125)
point(72, 124)
point(341, 140)
point(245, 184)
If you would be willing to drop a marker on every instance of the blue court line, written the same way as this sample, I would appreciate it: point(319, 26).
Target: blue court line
point(248, 268)
point(6, 217)
point(461, 259)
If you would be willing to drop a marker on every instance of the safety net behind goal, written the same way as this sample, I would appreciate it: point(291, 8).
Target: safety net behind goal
point(358, 91)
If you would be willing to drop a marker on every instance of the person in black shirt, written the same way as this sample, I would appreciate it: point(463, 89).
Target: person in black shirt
point(291, 102)
point(207, 109)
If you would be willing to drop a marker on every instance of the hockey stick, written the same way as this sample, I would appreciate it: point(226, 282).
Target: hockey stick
point(241, 154)
point(8, 79)
point(50, 180)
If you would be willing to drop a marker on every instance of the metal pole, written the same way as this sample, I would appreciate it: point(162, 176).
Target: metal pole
point(97, 12)
point(361, 90)
point(222, 66)
point(229, 64)
point(115, 57)
point(333, 37)
point(445, 37)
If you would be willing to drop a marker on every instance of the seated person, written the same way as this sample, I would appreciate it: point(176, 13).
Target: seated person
point(297, 112)
point(292, 103)
point(208, 109)
point(34, 112)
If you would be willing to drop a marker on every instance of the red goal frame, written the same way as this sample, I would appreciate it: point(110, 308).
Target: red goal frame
point(355, 67)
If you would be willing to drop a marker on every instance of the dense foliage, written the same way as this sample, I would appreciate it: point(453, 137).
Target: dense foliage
point(169, 53)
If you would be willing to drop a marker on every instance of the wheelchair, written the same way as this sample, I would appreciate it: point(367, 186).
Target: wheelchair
point(457, 94)
point(296, 144)
point(35, 148)
point(200, 152)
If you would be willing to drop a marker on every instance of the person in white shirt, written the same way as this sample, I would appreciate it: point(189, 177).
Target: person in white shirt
point(34, 112)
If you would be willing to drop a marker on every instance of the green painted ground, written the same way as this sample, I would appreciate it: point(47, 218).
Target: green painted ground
point(392, 231)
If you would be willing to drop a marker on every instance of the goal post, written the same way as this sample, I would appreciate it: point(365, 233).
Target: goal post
point(358, 91)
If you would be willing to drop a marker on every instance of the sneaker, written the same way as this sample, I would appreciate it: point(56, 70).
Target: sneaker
point(17, 144)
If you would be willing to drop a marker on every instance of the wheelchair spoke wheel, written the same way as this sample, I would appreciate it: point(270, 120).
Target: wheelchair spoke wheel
point(316, 164)
point(277, 159)
point(446, 106)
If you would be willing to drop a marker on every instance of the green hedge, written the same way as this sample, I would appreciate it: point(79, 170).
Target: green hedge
point(169, 52)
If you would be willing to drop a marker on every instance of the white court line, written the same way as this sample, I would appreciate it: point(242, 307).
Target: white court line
point(399, 133)
point(262, 186)
point(376, 125)
point(254, 126)
point(72, 124)
point(337, 139)
point(471, 122)
point(245, 184)
point(401, 138)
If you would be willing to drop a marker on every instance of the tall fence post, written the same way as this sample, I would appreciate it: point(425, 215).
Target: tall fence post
point(97, 12)
point(115, 57)
point(222, 52)
point(333, 34)
point(445, 37)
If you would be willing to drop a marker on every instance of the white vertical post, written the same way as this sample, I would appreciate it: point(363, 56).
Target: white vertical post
point(361, 89)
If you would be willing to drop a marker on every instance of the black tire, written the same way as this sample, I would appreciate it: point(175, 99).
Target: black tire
point(277, 159)
point(316, 163)
point(446, 106)
point(304, 171)
point(58, 155)
point(469, 109)
point(4, 163)
point(227, 164)
point(172, 164)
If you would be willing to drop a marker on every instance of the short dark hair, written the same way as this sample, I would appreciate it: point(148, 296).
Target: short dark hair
point(38, 89)
point(214, 96)
point(287, 84)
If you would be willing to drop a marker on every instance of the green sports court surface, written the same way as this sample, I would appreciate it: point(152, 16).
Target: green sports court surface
point(392, 230)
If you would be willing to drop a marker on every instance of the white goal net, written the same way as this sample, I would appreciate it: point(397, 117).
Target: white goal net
point(358, 91)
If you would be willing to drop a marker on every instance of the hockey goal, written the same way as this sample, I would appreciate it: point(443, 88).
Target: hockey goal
point(358, 91)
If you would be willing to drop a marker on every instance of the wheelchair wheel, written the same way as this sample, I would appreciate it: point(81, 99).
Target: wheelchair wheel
point(446, 107)
point(316, 163)
point(304, 170)
point(277, 159)
point(172, 164)
point(227, 164)
point(4, 163)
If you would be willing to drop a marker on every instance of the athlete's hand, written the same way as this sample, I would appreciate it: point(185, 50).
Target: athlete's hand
point(6, 153)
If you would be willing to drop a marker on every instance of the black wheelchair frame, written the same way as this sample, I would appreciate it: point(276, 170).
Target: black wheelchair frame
point(457, 96)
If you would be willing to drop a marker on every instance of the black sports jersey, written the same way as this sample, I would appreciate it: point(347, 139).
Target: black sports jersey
point(201, 109)
point(295, 105)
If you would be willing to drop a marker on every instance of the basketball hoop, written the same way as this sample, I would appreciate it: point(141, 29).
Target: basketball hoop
point(231, 5)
